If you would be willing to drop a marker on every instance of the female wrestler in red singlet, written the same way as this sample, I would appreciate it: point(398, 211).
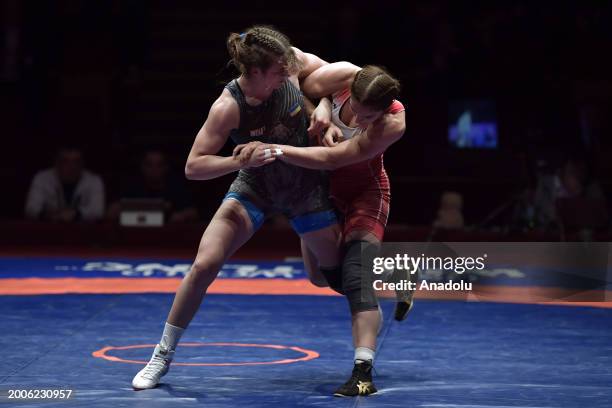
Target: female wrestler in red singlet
point(366, 119)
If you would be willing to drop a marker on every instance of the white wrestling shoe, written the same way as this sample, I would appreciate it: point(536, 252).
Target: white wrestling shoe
point(155, 369)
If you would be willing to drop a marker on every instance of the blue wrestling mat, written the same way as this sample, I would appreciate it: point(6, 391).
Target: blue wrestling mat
point(293, 351)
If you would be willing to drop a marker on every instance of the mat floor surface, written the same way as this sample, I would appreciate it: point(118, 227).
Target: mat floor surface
point(447, 354)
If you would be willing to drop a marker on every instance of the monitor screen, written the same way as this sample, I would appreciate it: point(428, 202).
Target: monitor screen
point(473, 124)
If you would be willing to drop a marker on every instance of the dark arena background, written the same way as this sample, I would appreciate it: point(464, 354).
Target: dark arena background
point(507, 149)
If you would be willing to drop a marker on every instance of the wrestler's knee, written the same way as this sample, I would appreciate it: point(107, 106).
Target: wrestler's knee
point(356, 279)
point(204, 270)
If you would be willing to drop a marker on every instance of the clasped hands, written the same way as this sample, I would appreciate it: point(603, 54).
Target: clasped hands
point(256, 153)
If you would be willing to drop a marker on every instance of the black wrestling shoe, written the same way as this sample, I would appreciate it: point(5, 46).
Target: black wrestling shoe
point(360, 382)
point(405, 298)
point(402, 308)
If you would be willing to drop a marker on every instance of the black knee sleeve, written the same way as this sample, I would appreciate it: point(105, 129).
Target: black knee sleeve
point(357, 278)
point(333, 276)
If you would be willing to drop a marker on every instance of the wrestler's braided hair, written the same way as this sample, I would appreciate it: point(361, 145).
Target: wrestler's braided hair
point(259, 47)
point(374, 87)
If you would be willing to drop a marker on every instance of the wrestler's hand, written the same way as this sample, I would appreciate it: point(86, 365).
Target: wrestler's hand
point(333, 136)
point(260, 155)
point(243, 152)
point(319, 120)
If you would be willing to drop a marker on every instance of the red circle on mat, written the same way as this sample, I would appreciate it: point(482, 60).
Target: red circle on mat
point(308, 354)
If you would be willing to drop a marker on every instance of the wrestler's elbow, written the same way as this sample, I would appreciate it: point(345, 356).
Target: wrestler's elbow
point(191, 170)
point(347, 158)
point(329, 163)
